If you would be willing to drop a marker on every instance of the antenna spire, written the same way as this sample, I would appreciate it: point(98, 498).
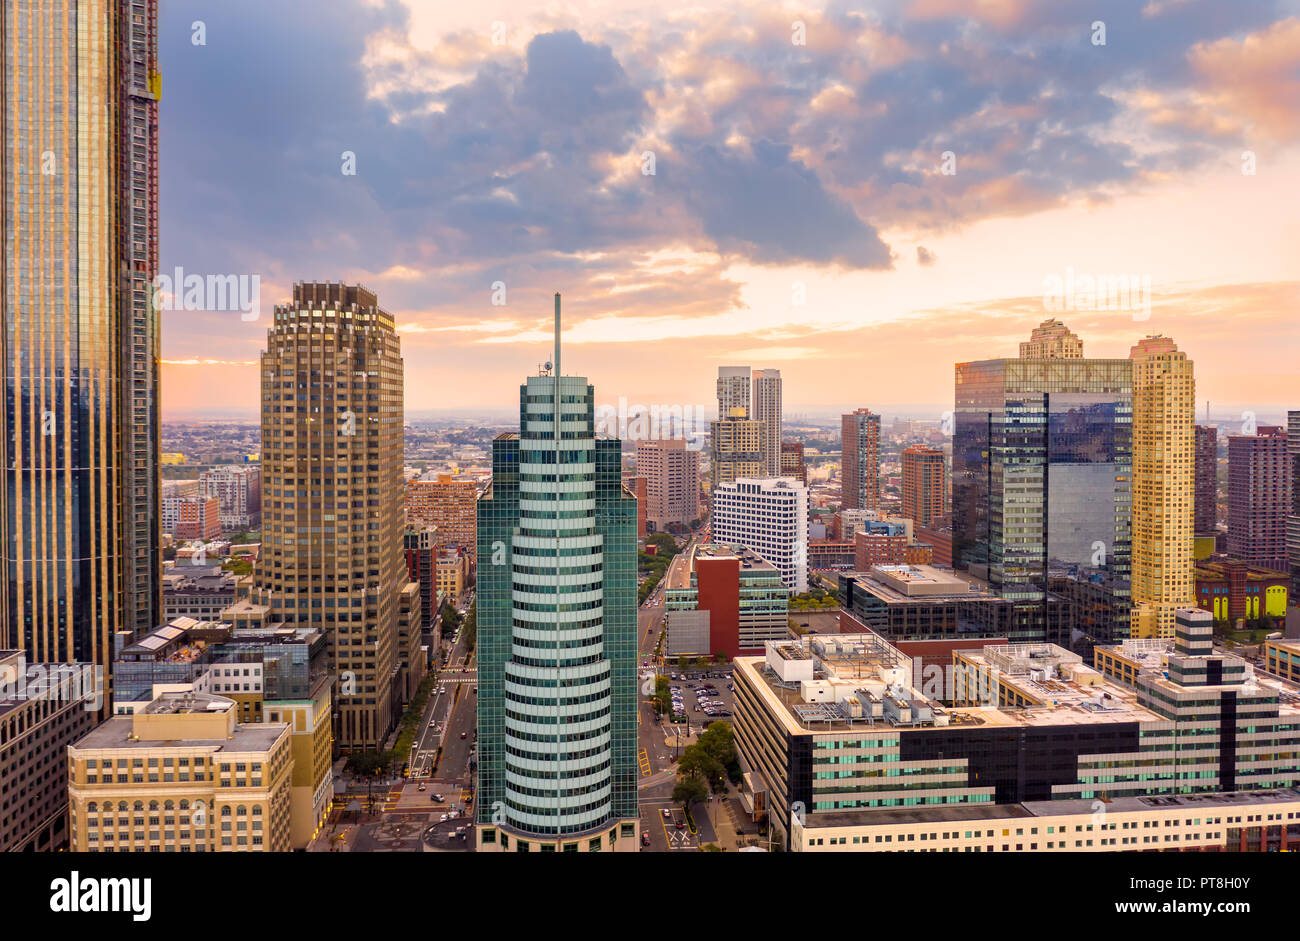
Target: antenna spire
point(557, 335)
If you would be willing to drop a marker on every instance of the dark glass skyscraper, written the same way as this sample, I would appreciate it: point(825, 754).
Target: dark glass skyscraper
point(1042, 468)
point(80, 549)
point(557, 607)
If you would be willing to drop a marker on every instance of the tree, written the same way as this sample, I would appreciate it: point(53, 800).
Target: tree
point(689, 790)
point(663, 697)
point(698, 762)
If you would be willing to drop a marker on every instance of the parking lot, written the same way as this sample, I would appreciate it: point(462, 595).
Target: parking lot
point(700, 697)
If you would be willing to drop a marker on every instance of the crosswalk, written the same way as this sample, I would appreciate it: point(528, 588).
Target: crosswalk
point(644, 760)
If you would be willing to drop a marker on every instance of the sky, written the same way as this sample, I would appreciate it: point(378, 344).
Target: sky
point(857, 194)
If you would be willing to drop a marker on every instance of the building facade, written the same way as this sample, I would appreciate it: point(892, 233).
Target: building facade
point(557, 631)
point(1042, 476)
point(1207, 480)
point(766, 401)
point(1164, 493)
point(448, 504)
point(1259, 497)
point(238, 491)
point(182, 775)
point(925, 484)
point(769, 517)
point(332, 424)
point(79, 427)
point(737, 448)
point(860, 460)
point(792, 463)
point(737, 596)
point(672, 473)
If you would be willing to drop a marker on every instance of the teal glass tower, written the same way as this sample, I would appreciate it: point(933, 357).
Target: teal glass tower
point(556, 589)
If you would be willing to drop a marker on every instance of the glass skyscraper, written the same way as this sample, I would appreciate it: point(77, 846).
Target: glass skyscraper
point(1042, 481)
point(79, 504)
point(557, 605)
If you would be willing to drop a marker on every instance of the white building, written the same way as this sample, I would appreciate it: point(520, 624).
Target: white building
point(238, 488)
point(770, 517)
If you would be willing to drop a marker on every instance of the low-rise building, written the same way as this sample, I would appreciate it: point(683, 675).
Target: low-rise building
point(182, 775)
point(44, 708)
point(200, 592)
point(735, 604)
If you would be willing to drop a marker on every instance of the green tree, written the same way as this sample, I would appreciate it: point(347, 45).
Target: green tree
point(689, 790)
point(663, 696)
point(698, 762)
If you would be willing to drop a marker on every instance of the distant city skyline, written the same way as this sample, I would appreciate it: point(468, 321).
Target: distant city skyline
point(1171, 161)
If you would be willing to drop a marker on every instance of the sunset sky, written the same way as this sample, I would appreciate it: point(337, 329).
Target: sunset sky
point(780, 170)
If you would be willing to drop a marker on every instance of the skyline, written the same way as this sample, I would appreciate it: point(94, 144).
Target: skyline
point(1127, 163)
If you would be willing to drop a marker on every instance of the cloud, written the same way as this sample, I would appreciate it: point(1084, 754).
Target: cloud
point(924, 257)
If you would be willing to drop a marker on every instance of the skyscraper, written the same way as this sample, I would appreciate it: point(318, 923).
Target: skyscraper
point(672, 472)
point(1041, 472)
point(1052, 339)
point(733, 389)
point(924, 484)
point(860, 460)
point(1207, 481)
point(332, 547)
point(80, 552)
point(1293, 520)
point(1164, 459)
point(1259, 497)
point(557, 616)
point(737, 448)
point(766, 401)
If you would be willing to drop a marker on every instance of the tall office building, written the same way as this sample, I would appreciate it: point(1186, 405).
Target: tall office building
point(737, 448)
point(79, 426)
point(1259, 497)
point(1164, 460)
point(1207, 480)
point(557, 624)
point(733, 389)
point(860, 460)
point(924, 484)
point(1041, 476)
point(332, 548)
point(766, 402)
point(769, 517)
point(672, 473)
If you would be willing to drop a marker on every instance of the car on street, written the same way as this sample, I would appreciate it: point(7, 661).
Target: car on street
point(439, 798)
point(645, 837)
point(668, 814)
point(420, 786)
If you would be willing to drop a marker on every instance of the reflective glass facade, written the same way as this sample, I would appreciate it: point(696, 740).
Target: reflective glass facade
point(80, 336)
point(1042, 475)
point(556, 608)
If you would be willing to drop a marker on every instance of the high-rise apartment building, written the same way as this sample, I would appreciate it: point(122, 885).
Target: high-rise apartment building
point(766, 403)
point(420, 545)
point(792, 463)
point(79, 505)
point(733, 389)
point(1293, 519)
point(191, 517)
point(332, 552)
point(1207, 480)
point(1164, 471)
point(737, 448)
point(768, 516)
point(238, 490)
point(860, 460)
point(557, 631)
point(672, 473)
point(638, 485)
point(924, 484)
point(447, 503)
point(1259, 497)
point(1041, 479)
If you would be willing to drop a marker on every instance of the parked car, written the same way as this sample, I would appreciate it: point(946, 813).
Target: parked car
point(645, 837)
point(464, 735)
point(668, 814)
